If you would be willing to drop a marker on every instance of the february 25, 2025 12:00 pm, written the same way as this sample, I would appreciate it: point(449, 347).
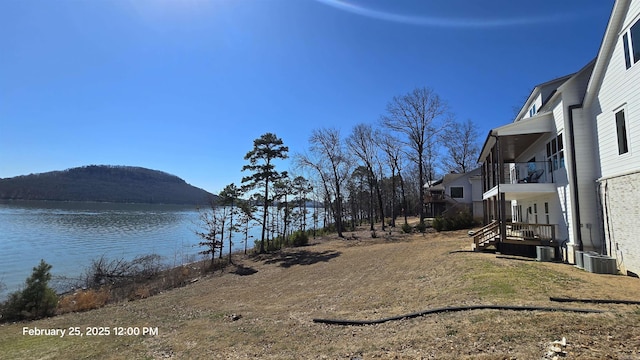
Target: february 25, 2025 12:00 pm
point(91, 331)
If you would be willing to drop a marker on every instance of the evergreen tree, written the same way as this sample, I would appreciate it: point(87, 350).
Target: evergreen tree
point(37, 300)
point(266, 149)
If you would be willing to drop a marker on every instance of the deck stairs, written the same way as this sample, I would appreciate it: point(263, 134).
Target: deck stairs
point(487, 236)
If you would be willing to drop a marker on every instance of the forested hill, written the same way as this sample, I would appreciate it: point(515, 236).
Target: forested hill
point(122, 184)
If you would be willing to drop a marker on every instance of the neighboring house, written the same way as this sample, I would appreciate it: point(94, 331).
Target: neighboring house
point(529, 185)
point(566, 172)
point(612, 102)
point(455, 192)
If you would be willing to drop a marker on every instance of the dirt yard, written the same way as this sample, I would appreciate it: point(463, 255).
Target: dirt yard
point(264, 308)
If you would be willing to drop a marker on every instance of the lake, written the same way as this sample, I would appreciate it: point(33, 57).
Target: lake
point(68, 235)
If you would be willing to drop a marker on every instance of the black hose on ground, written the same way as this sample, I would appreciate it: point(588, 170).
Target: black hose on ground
point(595, 301)
point(451, 309)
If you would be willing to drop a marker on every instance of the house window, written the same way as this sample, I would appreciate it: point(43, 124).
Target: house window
point(457, 192)
point(555, 153)
point(631, 44)
point(621, 127)
point(546, 211)
point(532, 111)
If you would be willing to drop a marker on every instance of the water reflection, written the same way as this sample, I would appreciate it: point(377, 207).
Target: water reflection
point(69, 235)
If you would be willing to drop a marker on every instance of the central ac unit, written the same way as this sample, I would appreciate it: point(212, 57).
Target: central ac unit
point(578, 259)
point(545, 253)
point(599, 264)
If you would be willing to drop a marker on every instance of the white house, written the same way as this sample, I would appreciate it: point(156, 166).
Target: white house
point(566, 172)
point(532, 187)
point(612, 102)
point(455, 191)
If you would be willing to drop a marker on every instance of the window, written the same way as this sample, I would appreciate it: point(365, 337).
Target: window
point(457, 192)
point(631, 44)
point(532, 111)
point(621, 127)
point(555, 153)
point(546, 211)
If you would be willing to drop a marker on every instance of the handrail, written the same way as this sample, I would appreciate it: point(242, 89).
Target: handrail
point(486, 233)
point(531, 231)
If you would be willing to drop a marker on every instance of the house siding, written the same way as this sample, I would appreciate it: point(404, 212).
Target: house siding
point(619, 183)
point(620, 88)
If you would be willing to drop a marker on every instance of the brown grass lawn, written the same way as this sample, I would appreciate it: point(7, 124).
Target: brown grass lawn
point(275, 297)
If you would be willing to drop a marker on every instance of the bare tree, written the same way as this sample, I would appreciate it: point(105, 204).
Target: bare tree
point(392, 149)
point(419, 116)
point(460, 140)
point(332, 164)
point(318, 164)
point(363, 144)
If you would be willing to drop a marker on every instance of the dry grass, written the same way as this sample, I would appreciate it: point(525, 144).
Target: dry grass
point(264, 307)
point(83, 300)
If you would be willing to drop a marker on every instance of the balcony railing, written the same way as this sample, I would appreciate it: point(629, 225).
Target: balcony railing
point(525, 231)
point(527, 173)
point(434, 197)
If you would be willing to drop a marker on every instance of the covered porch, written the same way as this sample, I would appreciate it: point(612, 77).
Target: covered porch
point(507, 177)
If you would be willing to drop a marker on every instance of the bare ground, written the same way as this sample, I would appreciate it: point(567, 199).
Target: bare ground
point(264, 308)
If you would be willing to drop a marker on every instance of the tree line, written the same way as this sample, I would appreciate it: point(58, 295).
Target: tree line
point(376, 172)
point(103, 183)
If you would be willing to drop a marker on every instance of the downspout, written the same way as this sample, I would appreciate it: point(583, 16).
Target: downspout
point(574, 175)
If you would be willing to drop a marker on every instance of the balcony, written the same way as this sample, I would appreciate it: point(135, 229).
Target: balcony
point(528, 173)
point(523, 180)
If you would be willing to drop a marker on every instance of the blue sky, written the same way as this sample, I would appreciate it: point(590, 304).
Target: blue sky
point(185, 86)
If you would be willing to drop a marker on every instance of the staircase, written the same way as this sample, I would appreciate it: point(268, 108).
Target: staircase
point(486, 236)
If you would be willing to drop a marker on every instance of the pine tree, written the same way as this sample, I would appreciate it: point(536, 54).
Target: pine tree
point(37, 300)
point(266, 149)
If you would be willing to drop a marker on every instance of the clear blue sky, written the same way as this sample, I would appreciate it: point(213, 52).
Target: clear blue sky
point(185, 86)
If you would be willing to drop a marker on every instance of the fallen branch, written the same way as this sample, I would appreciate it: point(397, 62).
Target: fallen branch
point(595, 301)
point(452, 309)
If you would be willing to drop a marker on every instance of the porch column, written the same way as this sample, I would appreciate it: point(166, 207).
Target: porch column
point(502, 212)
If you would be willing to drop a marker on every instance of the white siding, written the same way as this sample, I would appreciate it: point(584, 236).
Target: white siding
point(620, 87)
point(464, 183)
point(535, 104)
point(620, 174)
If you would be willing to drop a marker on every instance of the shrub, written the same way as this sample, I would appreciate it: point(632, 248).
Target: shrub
point(421, 227)
point(457, 221)
point(407, 229)
point(37, 300)
point(438, 223)
point(300, 238)
point(83, 300)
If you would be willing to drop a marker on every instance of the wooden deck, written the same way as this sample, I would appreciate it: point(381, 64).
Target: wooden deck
point(516, 234)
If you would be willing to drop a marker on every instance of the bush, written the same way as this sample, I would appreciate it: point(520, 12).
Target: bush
point(83, 300)
point(407, 229)
point(37, 300)
point(421, 227)
point(460, 220)
point(300, 238)
point(438, 223)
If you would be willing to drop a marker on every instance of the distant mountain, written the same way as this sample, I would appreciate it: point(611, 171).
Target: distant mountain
point(104, 183)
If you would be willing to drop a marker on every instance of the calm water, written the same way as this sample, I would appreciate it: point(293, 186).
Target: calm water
point(69, 235)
